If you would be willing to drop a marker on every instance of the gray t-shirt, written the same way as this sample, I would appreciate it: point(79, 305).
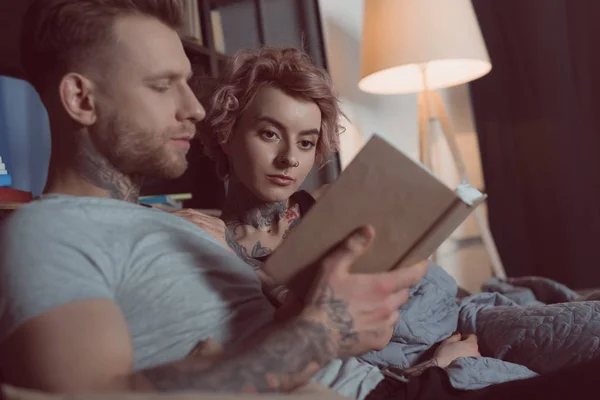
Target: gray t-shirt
point(175, 284)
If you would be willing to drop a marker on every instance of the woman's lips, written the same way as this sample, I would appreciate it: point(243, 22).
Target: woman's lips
point(281, 180)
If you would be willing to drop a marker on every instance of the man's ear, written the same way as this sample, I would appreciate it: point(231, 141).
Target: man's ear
point(77, 97)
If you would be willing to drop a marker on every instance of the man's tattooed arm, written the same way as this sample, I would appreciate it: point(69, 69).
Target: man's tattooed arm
point(282, 360)
point(337, 313)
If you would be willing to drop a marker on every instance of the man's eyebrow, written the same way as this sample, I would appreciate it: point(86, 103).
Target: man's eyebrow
point(170, 75)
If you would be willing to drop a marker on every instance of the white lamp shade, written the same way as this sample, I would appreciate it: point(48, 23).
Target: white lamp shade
point(401, 36)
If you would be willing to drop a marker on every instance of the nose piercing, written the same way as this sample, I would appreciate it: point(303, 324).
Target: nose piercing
point(284, 159)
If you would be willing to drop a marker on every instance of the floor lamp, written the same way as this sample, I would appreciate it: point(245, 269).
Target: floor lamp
point(419, 46)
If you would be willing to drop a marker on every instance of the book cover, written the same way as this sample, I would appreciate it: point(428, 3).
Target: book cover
point(412, 212)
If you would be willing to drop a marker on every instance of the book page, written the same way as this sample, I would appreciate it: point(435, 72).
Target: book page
point(468, 193)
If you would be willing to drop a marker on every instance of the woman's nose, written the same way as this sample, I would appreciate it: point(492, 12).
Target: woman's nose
point(287, 161)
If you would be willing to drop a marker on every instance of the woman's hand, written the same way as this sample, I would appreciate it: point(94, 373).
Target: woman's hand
point(454, 347)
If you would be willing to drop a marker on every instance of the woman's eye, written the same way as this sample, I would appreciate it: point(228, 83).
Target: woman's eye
point(161, 89)
point(269, 134)
point(306, 144)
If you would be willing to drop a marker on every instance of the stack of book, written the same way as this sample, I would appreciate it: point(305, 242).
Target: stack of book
point(166, 200)
point(5, 179)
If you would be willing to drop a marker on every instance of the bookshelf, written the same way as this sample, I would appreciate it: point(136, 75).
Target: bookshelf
point(220, 28)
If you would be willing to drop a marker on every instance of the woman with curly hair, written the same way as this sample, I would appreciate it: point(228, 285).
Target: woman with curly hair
point(273, 117)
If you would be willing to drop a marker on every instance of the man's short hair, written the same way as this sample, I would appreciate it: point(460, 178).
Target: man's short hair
point(59, 35)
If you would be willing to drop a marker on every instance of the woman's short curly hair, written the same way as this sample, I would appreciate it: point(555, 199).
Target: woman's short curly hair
point(288, 69)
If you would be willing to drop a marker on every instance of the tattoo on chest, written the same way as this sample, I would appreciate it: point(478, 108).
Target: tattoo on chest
point(290, 227)
point(243, 209)
point(293, 217)
point(249, 258)
point(259, 251)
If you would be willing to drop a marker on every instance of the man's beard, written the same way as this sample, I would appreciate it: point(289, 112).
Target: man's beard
point(136, 151)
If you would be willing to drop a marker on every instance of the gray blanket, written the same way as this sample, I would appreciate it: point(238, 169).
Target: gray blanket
point(524, 326)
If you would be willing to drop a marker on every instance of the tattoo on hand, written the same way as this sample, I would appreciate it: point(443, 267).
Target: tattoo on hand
point(338, 314)
point(283, 361)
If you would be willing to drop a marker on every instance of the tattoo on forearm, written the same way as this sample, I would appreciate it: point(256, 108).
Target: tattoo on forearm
point(284, 360)
point(95, 169)
point(338, 314)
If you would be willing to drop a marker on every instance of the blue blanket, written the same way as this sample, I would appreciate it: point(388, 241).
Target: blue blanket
point(525, 326)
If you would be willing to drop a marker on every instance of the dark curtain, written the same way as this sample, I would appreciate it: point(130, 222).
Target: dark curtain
point(538, 119)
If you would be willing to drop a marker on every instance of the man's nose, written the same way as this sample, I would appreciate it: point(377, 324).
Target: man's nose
point(191, 108)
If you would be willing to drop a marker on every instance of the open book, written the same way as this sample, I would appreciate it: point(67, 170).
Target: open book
point(412, 211)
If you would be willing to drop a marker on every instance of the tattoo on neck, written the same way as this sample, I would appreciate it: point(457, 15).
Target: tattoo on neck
point(282, 361)
point(97, 170)
point(243, 206)
point(338, 314)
